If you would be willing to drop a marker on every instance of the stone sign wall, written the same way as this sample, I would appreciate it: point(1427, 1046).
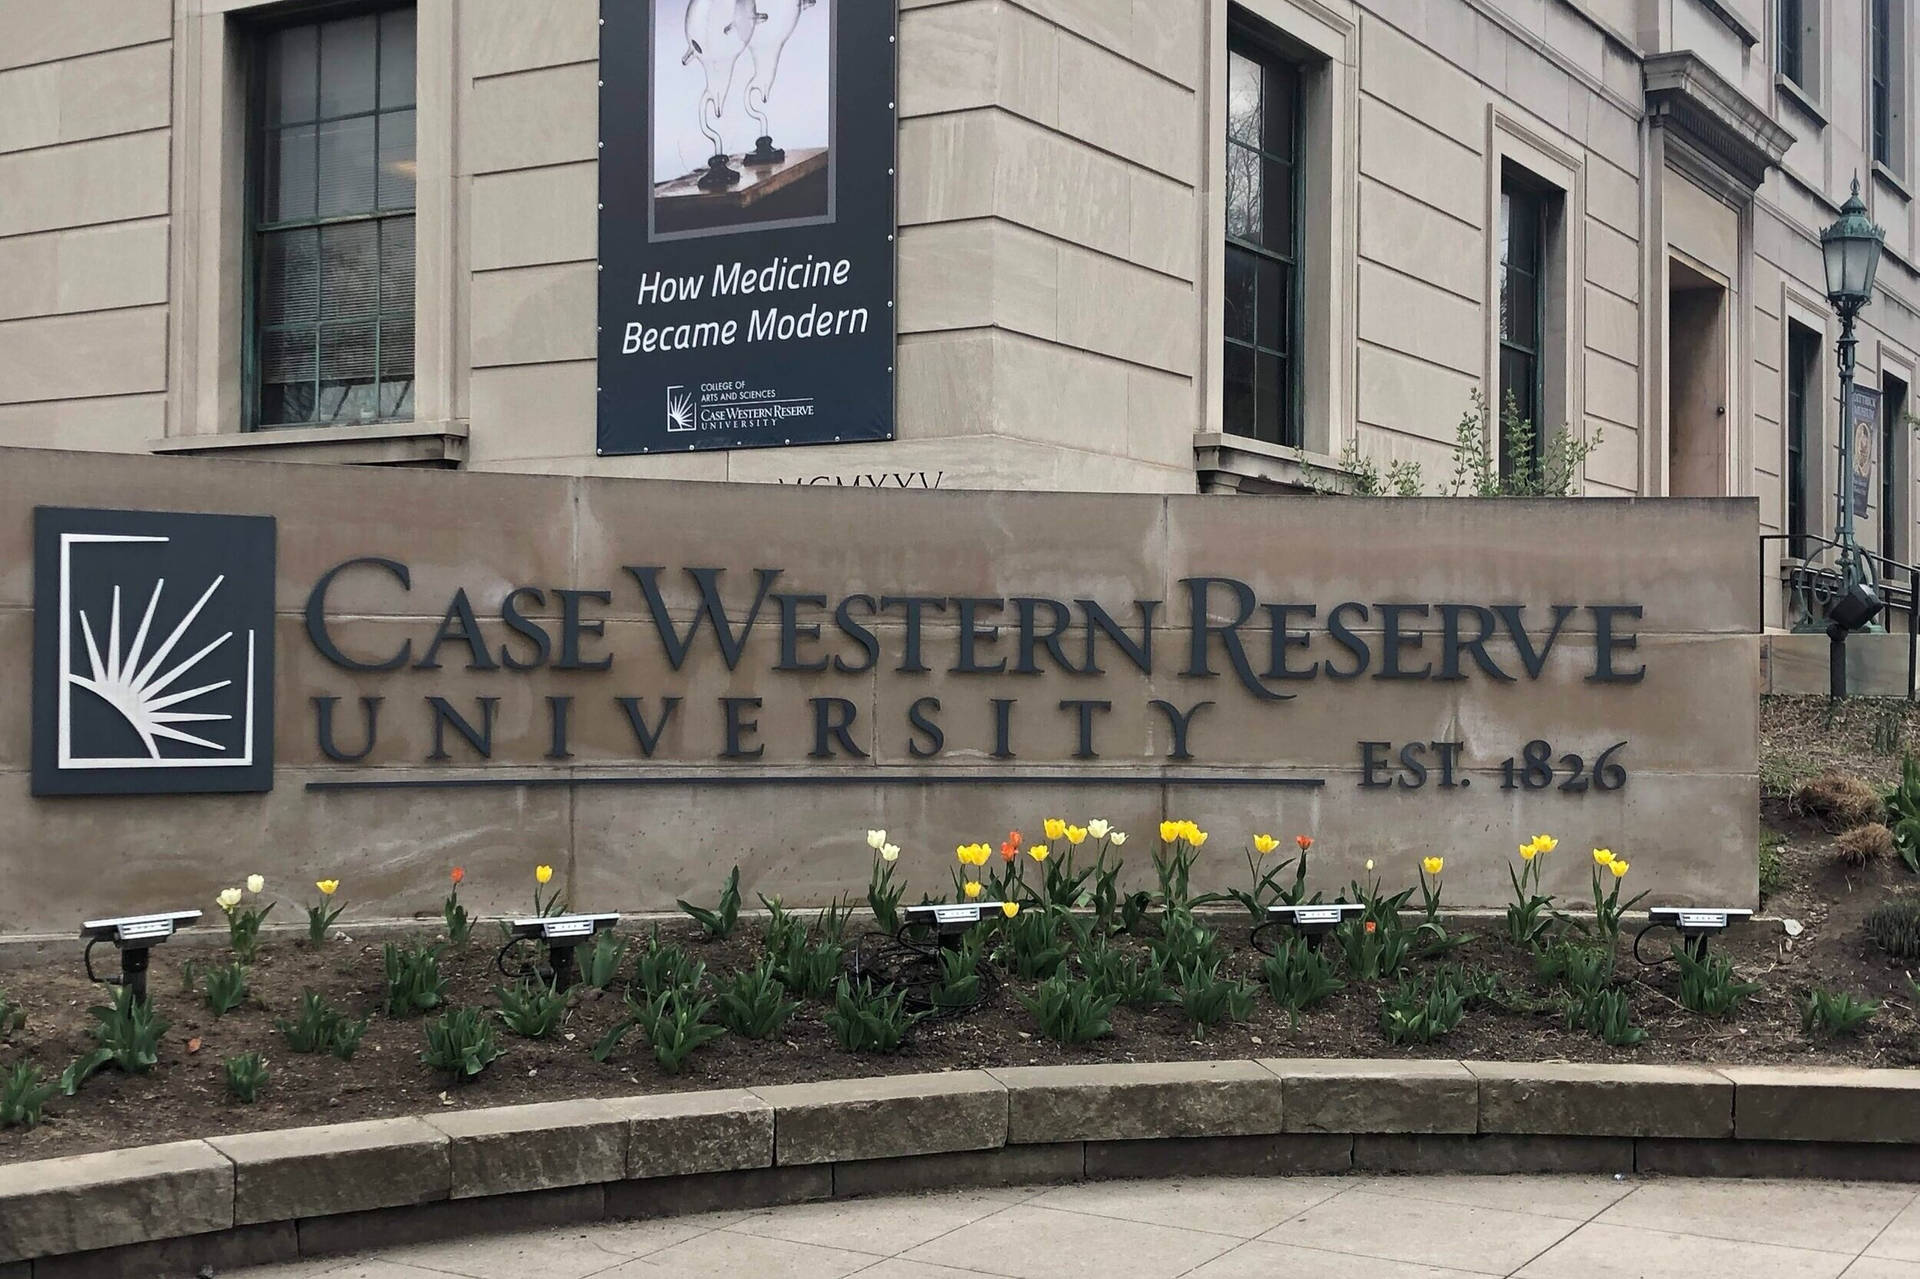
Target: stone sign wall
point(643, 683)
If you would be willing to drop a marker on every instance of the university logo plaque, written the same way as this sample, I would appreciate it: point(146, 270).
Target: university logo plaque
point(153, 652)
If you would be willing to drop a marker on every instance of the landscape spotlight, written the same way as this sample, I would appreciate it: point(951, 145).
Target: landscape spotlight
point(561, 933)
point(949, 923)
point(1312, 921)
point(1695, 924)
point(135, 936)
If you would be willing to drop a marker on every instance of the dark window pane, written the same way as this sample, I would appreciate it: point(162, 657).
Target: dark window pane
point(288, 180)
point(1282, 85)
point(349, 270)
point(1516, 383)
point(287, 356)
point(1243, 193)
point(396, 348)
point(1236, 398)
point(396, 264)
point(286, 403)
point(347, 167)
point(1272, 331)
point(292, 93)
point(396, 399)
point(1239, 294)
point(396, 59)
point(396, 160)
point(1243, 99)
point(1519, 314)
point(1278, 189)
point(1521, 235)
point(347, 352)
point(1269, 396)
point(289, 277)
point(347, 66)
point(1789, 18)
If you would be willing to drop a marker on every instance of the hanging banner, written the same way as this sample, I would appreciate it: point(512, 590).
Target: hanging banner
point(746, 223)
point(1863, 419)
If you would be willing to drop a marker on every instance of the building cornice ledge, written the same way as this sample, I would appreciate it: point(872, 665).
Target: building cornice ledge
point(1690, 98)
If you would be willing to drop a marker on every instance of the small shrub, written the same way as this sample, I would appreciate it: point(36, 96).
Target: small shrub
point(318, 1027)
point(718, 923)
point(320, 917)
point(1707, 984)
point(753, 1004)
point(460, 1043)
point(1183, 941)
point(414, 984)
point(1138, 981)
point(1033, 948)
point(1894, 925)
point(226, 988)
point(1864, 845)
point(1208, 999)
point(604, 960)
point(809, 969)
point(675, 1024)
point(1603, 1011)
point(1420, 1012)
point(869, 1019)
point(243, 923)
point(531, 1009)
point(883, 895)
point(662, 966)
point(1071, 1011)
point(1579, 966)
point(459, 923)
point(1837, 800)
point(24, 1095)
point(128, 1032)
point(782, 927)
point(246, 1076)
point(1828, 1014)
point(832, 922)
point(1299, 976)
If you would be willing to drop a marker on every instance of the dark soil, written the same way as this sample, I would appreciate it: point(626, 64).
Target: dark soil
point(185, 1096)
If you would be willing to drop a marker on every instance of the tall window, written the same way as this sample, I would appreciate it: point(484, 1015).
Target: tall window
point(1893, 463)
point(1881, 62)
point(1803, 403)
point(1791, 57)
point(1260, 397)
point(332, 199)
point(1523, 304)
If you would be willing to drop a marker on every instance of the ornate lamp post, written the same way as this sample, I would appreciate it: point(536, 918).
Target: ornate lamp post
point(1851, 247)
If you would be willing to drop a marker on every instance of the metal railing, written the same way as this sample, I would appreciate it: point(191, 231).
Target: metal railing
point(1809, 570)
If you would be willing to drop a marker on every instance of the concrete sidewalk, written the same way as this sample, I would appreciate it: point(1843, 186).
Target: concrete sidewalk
point(1232, 1228)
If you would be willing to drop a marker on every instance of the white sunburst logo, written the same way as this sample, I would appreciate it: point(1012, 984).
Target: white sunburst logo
point(680, 416)
point(152, 689)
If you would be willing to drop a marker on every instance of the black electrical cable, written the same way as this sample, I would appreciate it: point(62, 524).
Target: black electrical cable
point(911, 960)
point(1644, 961)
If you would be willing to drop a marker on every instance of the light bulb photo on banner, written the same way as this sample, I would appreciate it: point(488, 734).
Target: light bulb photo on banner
point(742, 114)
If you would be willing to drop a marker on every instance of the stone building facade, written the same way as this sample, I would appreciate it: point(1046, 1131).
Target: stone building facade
point(1608, 209)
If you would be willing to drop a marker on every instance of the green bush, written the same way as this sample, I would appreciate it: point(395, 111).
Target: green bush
point(246, 1075)
point(1894, 926)
point(958, 985)
point(413, 980)
point(24, 1095)
point(718, 923)
point(1603, 1011)
point(675, 1023)
point(531, 1008)
point(1071, 1011)
point(1374, 948)
point(12, 1016)
point(1183, 941)
point(753, 1004)
point(226, 988)
point(1137, 981)
point(659, 967)
point(460, 1043)
point(1903, 812)
point(1828, 1014)
point(128, 1032)
point(809, 969)
point(1299, 976)
point(1707, 984)
point(869, 1019)
point(1417, 1011)
point(1208, 999)
point(318, 1027)
point(1579, 966)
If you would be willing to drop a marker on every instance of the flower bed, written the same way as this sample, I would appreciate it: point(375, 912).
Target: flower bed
point(1067, 967)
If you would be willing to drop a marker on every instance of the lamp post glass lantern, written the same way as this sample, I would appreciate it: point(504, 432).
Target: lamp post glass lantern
point(1851, 249)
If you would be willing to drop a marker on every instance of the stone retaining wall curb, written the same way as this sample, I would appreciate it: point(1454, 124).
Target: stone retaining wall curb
point(224, 1201)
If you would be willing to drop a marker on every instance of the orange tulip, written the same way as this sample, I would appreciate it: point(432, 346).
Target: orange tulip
point(1305, 842)
point(458, 875)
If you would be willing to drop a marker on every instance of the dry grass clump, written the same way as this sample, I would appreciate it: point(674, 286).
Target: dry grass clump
point(1839, 801)
point(1865, 845)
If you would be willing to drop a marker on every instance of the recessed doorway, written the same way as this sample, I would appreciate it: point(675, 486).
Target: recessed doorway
point(1699, 426)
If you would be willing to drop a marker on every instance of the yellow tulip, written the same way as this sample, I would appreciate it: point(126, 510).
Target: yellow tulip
point(543, 874)
point(973, 890)
point(1602, 856)
point(1189, 831)
point(1434, 865)
point(1264, 844)
point(327, 887)
point(1196, 836)
point(1009, 909)
point(1076, 835)
point(1545, 843)
point(1529, 851)
point(1055, 827)
point(1619, 867)
point(1169, 831)
point(1038, 852)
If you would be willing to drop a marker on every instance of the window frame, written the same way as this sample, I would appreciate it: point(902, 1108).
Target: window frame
point(1800, 404)
point(1515, 188)
point(1790, 38)
point(1893, 469)
point(1882, 66)
point(1245, 41)
point(257, 32)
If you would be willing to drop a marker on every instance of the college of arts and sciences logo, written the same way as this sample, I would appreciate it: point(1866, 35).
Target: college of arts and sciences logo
point(152, 652)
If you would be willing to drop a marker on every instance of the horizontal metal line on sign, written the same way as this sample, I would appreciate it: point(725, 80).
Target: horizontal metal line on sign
point(830, 779)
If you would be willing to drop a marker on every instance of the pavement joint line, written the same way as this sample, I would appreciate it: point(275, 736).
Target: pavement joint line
point(1861, 1255)
point(999, 1208)
point(1742, 1239)
point(1592, 1217)
point(1364, 1256)
point(1101, 1216)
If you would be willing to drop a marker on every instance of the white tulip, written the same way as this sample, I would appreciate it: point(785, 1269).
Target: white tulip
point(890, 853)
point(876, 839)
point(228, 898)
point(1098, 828)
point(1119, 838)
point(256, 883)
